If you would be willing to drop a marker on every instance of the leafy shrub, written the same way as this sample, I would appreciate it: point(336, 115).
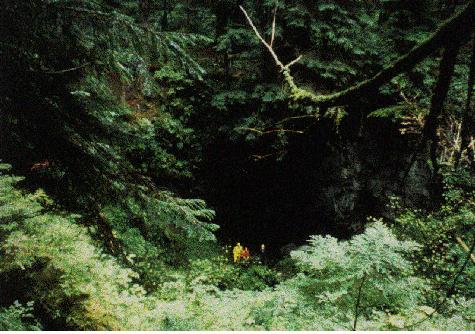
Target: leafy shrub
point(367, 282)
point(370, 271)
point(442, 232)
point(18, 317)
point(323, 295)
point(51, 260)
point(218, 271)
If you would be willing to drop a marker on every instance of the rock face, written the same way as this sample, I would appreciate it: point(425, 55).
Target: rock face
point(328, 183)
point(287, 249)
point(359, 175)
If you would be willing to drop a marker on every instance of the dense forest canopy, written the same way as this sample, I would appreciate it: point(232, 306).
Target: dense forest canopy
point(237, 165)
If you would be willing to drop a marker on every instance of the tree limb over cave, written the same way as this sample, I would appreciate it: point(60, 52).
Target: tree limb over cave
point(458, 26)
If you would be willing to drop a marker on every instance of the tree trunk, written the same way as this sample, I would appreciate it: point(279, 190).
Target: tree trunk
point(468, 120)
point(429, 132)
point(222, 19)
point(439, 96)
point(164, 21)
point(144, 7)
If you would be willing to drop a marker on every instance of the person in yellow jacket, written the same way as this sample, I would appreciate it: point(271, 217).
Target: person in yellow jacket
point(237, 251)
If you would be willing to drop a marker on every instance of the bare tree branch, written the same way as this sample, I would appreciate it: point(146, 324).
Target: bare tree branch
point(266, 132)
point(263, 41)
point(293, 118)
point(296, 60)
point(465, 248)
point(273, 27)
point(68, 69)
point(257, 157)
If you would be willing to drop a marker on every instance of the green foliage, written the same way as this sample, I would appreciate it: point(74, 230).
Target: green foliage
point(441, 255)
point(374, 260)
point(220, 272)
point(62, 269)
point(112, 136)
point(111, 106)
point(395, 113)
point(78, 286)
point(324, 294)
point(18, 318)
point(334, 275)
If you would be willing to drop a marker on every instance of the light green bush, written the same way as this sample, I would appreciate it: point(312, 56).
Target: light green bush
point(368, 278)
point(369, 270)
point(323, 295)
point(74, 281)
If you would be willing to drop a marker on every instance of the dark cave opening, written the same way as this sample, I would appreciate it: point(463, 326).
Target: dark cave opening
point(328, 183)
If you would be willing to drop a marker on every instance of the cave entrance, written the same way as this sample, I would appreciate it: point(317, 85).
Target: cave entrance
point(275, 203)
point(325, 185)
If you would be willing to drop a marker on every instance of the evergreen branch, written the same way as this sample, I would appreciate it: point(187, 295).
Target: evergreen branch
point(88, 11)
point(174, 41)
point(458, 27)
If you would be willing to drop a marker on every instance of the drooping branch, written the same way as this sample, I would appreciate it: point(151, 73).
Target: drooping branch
point(458, 27)
point(67, 70)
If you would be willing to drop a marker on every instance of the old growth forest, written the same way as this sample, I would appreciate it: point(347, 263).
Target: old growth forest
point(237, 165)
